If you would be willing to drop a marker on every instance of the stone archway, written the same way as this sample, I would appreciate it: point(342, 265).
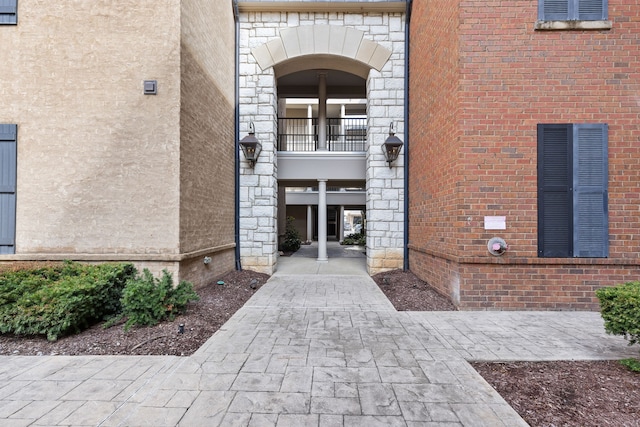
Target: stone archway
point(345, 42)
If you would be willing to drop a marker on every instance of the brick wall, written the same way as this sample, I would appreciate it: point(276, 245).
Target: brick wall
point(510, 78)
point(554, 286)
point(207, 135)
point(434, 129)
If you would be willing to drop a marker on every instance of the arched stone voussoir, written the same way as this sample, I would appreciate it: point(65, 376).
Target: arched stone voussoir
point(321, 40)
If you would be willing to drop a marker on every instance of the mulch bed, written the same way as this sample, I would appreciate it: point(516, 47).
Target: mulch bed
point(568, 393)
point(408, 293)
point(203, 318)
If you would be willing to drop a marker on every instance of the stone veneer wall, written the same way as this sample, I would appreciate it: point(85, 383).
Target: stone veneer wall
point(258, 185)
point(385, 185)
point(258, 103)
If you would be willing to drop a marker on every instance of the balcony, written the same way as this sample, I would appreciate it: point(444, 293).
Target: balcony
point(343, 134)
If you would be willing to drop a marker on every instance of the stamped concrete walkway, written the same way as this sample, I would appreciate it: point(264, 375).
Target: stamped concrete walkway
point(313, 349)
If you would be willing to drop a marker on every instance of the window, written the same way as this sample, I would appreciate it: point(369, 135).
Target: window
point(572, 10)
point(572, 190)
point(8, 12)
point(8, 155)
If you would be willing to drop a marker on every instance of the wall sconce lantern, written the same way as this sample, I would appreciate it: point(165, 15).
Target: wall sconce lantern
point(391, 147)
point(250, 146)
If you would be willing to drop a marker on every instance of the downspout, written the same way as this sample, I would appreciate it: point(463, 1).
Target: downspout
point(236, 19)
point(406, 134)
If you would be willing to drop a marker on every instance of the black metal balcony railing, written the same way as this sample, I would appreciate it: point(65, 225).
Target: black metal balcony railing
point(302, 134)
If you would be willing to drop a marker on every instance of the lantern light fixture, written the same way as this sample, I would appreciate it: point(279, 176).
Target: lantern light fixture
point(391, 147)
point(250, 146)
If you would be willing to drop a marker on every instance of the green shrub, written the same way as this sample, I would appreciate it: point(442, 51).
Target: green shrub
point(57, 301)
point(355, 239)
point(292, 240)
point(631, 364)
point(620, 309)
point(147, 300)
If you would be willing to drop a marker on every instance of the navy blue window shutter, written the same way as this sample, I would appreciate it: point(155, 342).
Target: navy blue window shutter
point(8, 12)
point(572, 10)
point(592, 10)
point(553, 10)
point(555, 217)
point(590, 191)
point(8, 157)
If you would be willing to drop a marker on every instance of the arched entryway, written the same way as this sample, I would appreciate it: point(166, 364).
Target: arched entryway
point(322, 124)
point(321, 98)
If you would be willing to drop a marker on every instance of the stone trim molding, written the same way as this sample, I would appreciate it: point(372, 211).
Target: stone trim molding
point(323, 6)
point(117, 257)
point(572, 25)
point(486, 260)
point(321, 40)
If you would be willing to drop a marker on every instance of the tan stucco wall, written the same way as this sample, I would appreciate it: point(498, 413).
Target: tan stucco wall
point(98, 161)
point(104, 171)
point(207, 168)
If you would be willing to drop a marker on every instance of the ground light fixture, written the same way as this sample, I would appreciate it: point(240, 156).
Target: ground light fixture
point(250, 146)
point(391, 147)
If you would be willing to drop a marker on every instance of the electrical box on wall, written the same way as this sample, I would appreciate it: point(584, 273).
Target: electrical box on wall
point(150, 87)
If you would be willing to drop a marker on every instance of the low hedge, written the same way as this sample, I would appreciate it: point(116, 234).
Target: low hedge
point(620, 309)
point(60, 300)
point(355, 239)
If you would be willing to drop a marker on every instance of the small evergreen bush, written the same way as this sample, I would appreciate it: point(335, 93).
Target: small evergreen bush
point(56, 301)
point(355, 239)
point(292, 240)
point(620, 309)
point(147, 300)
point(631, 364)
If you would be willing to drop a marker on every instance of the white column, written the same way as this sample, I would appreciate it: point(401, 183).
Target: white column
point(282, 113)
point(343, 131)
point(309, 223)
point(341, 225)
point(309, 125)
point(322, 220)
point(322, 111)
point(282, 213)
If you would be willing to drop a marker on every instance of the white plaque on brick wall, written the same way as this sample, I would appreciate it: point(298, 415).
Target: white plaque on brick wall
point(495, 222)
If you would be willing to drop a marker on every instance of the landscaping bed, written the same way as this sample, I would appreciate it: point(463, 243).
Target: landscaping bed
point(568, 393)
point(202, 319)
